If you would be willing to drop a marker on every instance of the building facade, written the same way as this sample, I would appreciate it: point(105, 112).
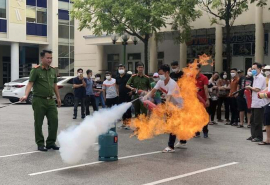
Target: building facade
point(29, 26)
point(250, 43)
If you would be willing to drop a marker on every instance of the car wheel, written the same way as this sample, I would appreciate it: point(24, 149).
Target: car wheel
point(13, 100)
point(69, 100)
point(29, 98)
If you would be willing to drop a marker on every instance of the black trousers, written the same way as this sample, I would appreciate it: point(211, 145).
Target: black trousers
point(123, 99)
point(90, 99)
point(76, 103)
point(257, 122)
point(212, 109)
point(172, 139)
point(226, 102)
point(111, 102)
point(234, 110)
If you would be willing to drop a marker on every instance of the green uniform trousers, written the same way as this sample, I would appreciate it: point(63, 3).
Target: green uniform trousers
point(43, 107)
point(139, 107)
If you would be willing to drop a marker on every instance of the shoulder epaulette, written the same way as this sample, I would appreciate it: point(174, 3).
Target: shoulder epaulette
point(37, 66)
point(134, 75)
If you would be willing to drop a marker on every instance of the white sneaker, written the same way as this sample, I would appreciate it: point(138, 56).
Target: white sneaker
point(168, 150)
point(181, 145)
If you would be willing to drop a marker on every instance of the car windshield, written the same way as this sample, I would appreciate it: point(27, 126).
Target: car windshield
point(59, 79)
point(20, 80)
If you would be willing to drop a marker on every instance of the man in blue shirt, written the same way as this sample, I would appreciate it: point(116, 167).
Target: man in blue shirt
point(90, 98)
point(79, 93)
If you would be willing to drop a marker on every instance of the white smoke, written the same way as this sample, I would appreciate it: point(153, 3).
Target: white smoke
point(76, 140)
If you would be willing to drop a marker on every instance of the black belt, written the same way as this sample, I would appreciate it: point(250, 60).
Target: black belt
point(47, 98)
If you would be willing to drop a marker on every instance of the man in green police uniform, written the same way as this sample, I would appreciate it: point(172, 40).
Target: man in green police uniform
point(139, 82)
point(43, 80)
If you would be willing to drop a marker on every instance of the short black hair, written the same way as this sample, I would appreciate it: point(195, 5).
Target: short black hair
point(98, 75)
point(88, 71)
point(108, 73)
point(223, 73)
point(234, 69)
point(42, 53)
point(164, 67)
point(174, 63)
point(121, 65)
point(215, 72)
point(259, 66)
point(79, 69)
point(139, 64)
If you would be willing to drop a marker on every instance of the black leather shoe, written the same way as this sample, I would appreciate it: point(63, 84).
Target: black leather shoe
point(74, 117)
point(54, 147)
point(42, 149)
point(83, 117)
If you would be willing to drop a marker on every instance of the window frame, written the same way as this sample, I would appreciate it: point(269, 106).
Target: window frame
point(6, 11)
point(36, 14)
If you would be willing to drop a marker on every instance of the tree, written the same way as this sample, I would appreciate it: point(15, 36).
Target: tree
point(227, 11)
point(140, 18)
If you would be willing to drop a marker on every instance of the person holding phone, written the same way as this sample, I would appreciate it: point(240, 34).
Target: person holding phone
point(79, 85)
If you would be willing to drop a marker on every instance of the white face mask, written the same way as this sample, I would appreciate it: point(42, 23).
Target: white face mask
point(162, 77)
point(97, 78)
point(249, 73)
point(175, 70)
point(267, 73)
point(233, 75)
point(156, 79)
point(225, 76)
point(108, 77)
point(121, 71)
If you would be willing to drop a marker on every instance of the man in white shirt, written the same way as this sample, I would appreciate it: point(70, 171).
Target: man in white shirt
point(110, 91)
point(257, 110)
point(171, 90)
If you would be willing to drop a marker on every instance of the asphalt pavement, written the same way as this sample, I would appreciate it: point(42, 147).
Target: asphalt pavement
point(225, 158)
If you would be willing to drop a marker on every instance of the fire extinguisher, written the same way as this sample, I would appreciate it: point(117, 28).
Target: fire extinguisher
point(248, 98)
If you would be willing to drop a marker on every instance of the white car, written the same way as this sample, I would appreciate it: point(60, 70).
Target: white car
point(65, 87)
point(16, 89)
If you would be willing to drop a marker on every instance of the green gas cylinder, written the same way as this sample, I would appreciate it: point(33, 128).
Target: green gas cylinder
point(108, 143)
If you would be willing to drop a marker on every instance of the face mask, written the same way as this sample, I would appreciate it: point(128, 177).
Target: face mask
point(97, 78)
point(254, 72)
point(175, 70)
point(249, 73)
point(225, 76)
point(162, 77)
point(79, 74)
point(156, 79)
point(108, 77)
point(233, 75)
point(121, 71)
point(267, 73)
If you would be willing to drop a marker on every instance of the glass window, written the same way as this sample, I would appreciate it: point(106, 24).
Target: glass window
point(41, 16)
point(63, 51)
point(64, 64)
point(31, 14)
point(63, 32)
point(31, 2)
point(3, 9)
point(63, 5)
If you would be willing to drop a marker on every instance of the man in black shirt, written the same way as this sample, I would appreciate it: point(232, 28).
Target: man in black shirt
point(175, 75)
point(79, 93)
point(124, 95)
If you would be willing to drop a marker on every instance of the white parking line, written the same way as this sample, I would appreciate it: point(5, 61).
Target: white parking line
point(190, 174)
point(88, 164)
point(12, 155)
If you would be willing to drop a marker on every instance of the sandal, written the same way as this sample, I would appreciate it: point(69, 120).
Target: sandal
point(240, 126)
point(215, 123)
point(264, 143)
point(168, 150)
point(211, 123)
point(248, 126)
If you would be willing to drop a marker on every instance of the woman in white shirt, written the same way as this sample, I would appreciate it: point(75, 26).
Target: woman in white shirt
point(110, 92)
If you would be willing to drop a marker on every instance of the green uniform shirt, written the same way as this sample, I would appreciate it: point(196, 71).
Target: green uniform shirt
point(140, 82)
point(44, 80)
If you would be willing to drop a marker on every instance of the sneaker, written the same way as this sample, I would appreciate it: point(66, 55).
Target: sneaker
point(181, 145)
point(205, 135)
point(168, 150)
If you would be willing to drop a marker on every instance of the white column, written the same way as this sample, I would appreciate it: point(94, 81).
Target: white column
point(259, 35)
point(14, 61)
point(101, 65)
point(219, 49)
point(153, 55)
point(183, 55)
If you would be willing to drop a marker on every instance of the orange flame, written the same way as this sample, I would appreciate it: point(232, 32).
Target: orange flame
point(183, 122)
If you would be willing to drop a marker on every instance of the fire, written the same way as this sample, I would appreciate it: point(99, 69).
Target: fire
point(183, 122)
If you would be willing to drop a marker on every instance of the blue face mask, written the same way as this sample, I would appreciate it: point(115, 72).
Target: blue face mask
point(254, 72)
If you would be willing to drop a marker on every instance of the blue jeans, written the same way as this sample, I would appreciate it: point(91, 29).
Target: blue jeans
point(100, 99)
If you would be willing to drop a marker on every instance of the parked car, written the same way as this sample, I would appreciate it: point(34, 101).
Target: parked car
point(16, 89)
point(65, 87)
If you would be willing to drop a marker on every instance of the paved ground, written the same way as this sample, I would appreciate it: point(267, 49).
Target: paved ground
point(140, 162)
